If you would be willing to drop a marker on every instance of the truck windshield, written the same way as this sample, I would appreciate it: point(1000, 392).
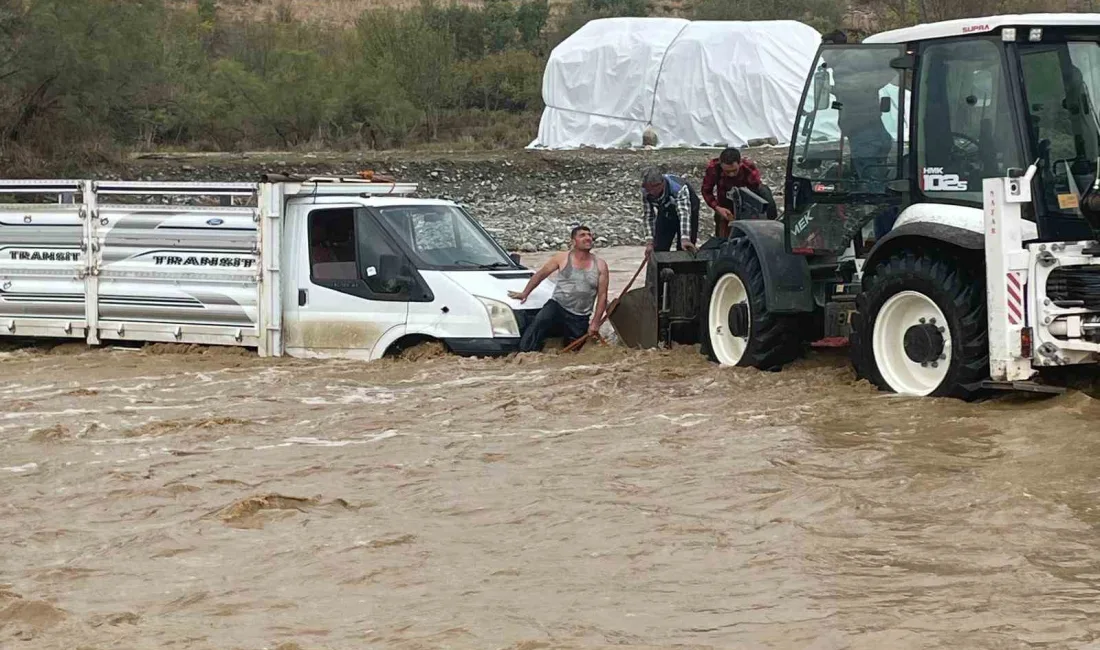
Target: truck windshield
point(444, 236)
point(1062, 86)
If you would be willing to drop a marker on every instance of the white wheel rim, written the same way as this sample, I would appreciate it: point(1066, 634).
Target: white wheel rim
point(728, 291)
point(903, 375)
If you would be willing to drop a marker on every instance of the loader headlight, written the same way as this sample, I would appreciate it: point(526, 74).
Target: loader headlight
point(501, 318)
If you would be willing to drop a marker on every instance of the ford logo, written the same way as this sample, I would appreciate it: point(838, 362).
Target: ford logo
point(214, 222)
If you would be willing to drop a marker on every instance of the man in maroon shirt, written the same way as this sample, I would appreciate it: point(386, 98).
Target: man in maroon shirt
point(724, 173)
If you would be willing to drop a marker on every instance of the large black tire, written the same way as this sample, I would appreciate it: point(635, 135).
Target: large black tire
point(774, 339)
point(957, 286)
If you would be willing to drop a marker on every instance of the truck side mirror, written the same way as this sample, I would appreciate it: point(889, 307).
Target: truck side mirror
point(515, 258)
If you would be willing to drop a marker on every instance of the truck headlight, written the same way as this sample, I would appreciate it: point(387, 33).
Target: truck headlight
point(501, 318)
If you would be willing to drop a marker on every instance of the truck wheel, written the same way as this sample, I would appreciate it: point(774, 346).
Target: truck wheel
point(738, 328)
point(920, 326)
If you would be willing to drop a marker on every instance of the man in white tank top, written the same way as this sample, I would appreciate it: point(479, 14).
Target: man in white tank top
point(582, 281)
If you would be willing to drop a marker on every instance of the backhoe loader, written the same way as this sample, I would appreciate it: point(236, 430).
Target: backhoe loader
point(941, 215)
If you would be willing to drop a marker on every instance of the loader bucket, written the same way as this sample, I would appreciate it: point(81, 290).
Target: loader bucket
point(635, 319)
point(667, 309)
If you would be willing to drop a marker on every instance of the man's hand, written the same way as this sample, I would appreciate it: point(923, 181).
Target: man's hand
point(688, 245)
point(648, 249)
point(725, 213)
point(518, 295)
point(594, 327)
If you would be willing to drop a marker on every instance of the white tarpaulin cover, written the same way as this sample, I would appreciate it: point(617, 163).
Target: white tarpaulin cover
point(698, 83)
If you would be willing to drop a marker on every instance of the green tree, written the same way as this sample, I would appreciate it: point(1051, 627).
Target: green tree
point(531, 19)
point(64, 77)
point(418, 56)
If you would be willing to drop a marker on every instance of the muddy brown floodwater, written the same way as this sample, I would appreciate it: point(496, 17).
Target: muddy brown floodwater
point(175, 498)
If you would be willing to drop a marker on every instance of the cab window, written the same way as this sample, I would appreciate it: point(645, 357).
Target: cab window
point(965, 130)
point(348, 252)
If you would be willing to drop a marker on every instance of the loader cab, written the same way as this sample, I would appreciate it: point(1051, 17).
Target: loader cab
point(920, 116)
point(846, 148)
point(1059, 79)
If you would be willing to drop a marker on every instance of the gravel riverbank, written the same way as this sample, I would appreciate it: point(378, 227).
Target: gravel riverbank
point(528, 199)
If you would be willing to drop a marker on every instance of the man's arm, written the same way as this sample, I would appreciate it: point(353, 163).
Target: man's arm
point(552, 264)
point(601, 297)
point(649, 215)
point(649, 218)
point(683, 207)
point(710, 191)
point(710, 182)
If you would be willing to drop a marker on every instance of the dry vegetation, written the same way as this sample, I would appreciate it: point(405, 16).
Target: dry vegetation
point(336, 74)
point(346, 12)
point(335, 13)
point(858, 15)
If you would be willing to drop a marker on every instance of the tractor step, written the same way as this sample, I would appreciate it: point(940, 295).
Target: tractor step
point(1023, 386)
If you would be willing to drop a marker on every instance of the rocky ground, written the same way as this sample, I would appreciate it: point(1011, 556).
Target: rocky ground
point(529, 200)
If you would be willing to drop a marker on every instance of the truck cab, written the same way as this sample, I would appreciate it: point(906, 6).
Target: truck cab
point(368, 275)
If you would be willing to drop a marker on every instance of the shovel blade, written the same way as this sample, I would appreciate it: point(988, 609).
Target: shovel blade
point(635, 319)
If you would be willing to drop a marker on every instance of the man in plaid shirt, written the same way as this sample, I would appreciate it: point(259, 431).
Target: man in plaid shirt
point(671, 211)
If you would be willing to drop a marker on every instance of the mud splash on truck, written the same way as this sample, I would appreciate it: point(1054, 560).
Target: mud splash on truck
point(606, 498)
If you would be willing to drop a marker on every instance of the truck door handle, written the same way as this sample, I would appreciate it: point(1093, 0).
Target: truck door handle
point(302, 297)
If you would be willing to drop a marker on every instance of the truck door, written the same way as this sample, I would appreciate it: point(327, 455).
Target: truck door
point(350, 282)
point(848, 148)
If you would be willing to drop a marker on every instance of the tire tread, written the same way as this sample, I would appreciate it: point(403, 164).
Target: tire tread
point(775, 339)
point(958, 284)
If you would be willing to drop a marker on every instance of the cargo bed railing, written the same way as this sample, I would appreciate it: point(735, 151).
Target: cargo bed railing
point(40, 186)
point(182, 188)
point(94, 201)
point(67, 189)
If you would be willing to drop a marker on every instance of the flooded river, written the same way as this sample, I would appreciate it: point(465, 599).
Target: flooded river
point(176, 498)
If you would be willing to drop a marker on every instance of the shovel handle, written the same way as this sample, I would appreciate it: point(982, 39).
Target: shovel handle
point(607, 312)
point(576, 344)
point(628, 284)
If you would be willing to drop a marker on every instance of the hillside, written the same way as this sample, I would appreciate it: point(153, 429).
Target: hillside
point(328, 12)
point(232, 75)
point(862, 16)
point(337, 13)
point(345, 12)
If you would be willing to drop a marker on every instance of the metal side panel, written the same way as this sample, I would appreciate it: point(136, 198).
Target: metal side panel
point(176, 333)
point(271, 257)
point(41, 270)
point(177, 273)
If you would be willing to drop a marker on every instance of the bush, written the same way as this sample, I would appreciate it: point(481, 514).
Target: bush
point(508, 81)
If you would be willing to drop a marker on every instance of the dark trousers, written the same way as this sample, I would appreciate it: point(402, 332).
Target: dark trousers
point(666, 231)
point(552, 320)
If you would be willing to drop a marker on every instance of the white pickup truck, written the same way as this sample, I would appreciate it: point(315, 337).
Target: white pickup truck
point(306, 267)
